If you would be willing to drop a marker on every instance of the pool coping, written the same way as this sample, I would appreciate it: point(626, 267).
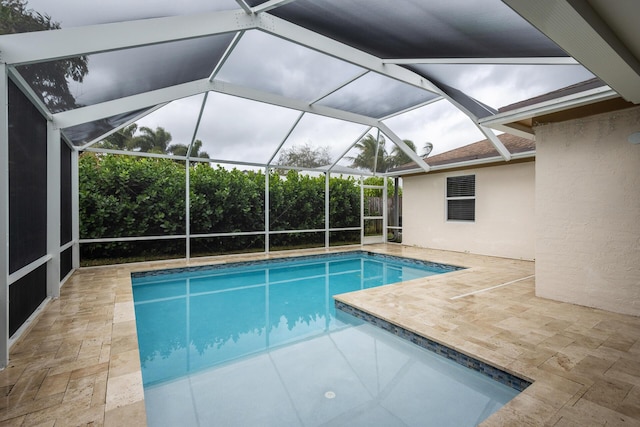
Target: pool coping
point(447, 268)
point(468, 361)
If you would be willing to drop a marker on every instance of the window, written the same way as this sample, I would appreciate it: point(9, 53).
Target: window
point(461, 198)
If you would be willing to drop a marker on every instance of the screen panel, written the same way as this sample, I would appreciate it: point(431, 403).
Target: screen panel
point(112, 75)
point(375, 95)
point(25, 295)
point(27, 181)
point(422, 29)
point(66, 262)
point(87, 132)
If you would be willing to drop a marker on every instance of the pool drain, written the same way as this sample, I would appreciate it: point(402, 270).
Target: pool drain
point(329, 395)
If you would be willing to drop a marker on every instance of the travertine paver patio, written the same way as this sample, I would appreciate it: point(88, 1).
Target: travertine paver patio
point(78, 364)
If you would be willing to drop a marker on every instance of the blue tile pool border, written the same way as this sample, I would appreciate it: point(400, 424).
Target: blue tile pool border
point(492, 372)
point(348, 254)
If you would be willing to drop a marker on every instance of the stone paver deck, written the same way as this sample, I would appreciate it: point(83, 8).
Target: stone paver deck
point(78, 364)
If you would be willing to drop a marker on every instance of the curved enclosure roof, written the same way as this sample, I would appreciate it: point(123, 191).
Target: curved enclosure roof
point(252, 79)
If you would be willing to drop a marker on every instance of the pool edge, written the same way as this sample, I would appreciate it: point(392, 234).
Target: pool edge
point(502, 376)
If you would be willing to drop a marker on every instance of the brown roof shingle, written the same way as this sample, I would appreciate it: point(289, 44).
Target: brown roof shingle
point(477, 150)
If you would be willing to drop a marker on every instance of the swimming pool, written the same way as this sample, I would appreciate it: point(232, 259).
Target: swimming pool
point(260, 343)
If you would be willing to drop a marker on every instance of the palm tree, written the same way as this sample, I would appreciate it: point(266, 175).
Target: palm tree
point(120, 140)
point(152, 141)
point(181, 150)
point(371, 153)
point(399, 157)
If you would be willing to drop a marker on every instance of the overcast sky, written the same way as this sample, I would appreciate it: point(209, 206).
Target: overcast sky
point(243, 130)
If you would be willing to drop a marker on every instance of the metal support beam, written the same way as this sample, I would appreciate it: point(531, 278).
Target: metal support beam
point(25, 48)
point(340, 86)
point(197, 127)
point(187, 210)
point(243, 4)
point(53, 210)
point(396, 207)
point(349, 148)
point(375, 157)
point(266, 209)
point(4, 218)
point(498, 145)
point(291, 129)
point(131, 103)
point(226, 54)
point(516, 129)
point(554, 60)
point(327, 211)
point(361, 210)
point(413, 107)
point(269, 5)
point(404, 147)
point(75, 208)
point(385, 209)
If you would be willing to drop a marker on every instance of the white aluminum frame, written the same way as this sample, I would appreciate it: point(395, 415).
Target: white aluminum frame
point(605, 56)
point(53, 210)
point(4, 217)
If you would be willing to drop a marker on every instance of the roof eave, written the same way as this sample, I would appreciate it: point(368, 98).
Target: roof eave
point(527, 155)
point(551, 106)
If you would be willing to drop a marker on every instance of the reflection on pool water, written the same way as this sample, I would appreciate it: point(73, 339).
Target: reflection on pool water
point(261, 344)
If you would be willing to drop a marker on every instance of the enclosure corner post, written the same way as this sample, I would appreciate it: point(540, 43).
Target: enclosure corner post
point(75, 208)
point(266, 210)
point(187, 211)
point(327, 241)
point(53, 209)
point(4, 218)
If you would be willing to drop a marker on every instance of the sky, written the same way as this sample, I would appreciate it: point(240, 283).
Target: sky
point(242, 130)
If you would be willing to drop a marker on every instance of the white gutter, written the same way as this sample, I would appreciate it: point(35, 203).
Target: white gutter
point(465, 164)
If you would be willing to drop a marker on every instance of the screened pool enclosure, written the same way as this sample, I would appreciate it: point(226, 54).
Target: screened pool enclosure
point(244, 84)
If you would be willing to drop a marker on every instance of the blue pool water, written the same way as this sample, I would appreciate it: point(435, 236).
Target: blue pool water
point(260, 343)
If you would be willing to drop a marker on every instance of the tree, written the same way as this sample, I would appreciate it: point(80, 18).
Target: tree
point(399, 157)
point(149, 141)
point(50, 80)
point(182, 150)
point(305, 156)
point(120, 140)
point(152, 141)
point(369, 149)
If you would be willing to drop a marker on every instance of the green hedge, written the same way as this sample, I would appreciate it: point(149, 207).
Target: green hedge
point(127, 196)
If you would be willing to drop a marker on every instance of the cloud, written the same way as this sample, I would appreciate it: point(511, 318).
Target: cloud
point(498, 85)
point(270, 64)
point(178, 118)
point(439, 123)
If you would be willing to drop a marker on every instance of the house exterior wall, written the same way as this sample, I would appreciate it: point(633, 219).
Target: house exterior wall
point(588, 212)
point(505, 219)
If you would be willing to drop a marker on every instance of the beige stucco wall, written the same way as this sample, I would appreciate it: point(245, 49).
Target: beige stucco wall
point(588, 212)
point(505, 217)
